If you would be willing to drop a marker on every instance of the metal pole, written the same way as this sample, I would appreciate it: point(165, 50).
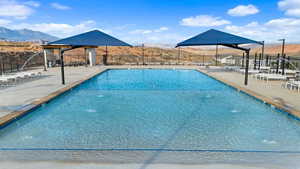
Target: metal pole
point(106, 55)
point(267, 60)
point(86, 57)
point(283, 46)
point(217, 55)
point(178, 56)
point(45, 60)
point(283, 64)
point(259, 61)
point(247, 66)
point(288, 59)
point(243, 61)
point(277, 67)
point(62, 67)
point(263, 50)
point(255, 61)
point(2, 66)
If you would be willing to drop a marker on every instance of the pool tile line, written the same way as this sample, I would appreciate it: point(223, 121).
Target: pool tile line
point(15, 115)
point(151, 149)
point(281, 107)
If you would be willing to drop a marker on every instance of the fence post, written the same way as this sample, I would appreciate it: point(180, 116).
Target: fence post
point(277, 67)
point(1, 64)
point(260, 55)
point(11, 64)
point(243, 61)
point(288, 59)
point(255, 57)
point(18, 59)
point(283, 64)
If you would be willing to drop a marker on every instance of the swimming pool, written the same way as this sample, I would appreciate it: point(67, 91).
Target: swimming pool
point(152, 109)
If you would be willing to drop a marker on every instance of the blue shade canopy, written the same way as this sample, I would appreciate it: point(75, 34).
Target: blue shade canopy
point(215, 37)
point(92, 38)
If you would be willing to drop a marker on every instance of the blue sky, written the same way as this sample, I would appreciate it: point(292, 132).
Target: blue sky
point(156, 21)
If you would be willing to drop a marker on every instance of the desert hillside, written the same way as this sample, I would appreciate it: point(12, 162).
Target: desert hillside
point(290, 49)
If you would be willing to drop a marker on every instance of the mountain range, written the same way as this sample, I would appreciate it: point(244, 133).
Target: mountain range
point(24, 35)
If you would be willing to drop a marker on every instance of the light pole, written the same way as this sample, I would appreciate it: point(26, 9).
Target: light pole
point(282, 55)
point(263, 51)
point(283, 45)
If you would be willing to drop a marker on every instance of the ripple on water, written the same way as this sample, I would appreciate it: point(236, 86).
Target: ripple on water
point(100, 96)
point(269, 141)
point(91, 110)
point(235, 111)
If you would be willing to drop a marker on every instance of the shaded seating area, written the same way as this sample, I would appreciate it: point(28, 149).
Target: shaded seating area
point(216, 37)
point(89, 41)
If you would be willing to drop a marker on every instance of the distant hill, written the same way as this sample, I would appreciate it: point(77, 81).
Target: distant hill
point(24, 35)
point(270, 49)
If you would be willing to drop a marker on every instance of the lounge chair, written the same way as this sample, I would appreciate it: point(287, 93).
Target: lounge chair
point(7, 81)
point(250, 71)
point(259, 76)
point(269, 77)
point(296, 84)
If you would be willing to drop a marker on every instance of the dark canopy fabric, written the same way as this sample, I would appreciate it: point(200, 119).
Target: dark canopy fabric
point(92, 38)
point(215, 37)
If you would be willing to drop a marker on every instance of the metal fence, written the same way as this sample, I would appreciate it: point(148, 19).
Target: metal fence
point(13, 61)
point(274, 61)
point(158, 59)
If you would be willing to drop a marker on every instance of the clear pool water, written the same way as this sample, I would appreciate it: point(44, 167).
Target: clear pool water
point(154, 109)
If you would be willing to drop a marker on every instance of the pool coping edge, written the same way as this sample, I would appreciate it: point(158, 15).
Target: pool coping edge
point(12, 116)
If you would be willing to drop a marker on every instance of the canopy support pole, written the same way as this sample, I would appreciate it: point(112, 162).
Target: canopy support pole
point(247, 67)
point(62, 62)
point(62, 67)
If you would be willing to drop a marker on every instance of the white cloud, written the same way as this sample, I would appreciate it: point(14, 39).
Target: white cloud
point(169, 39)
point(291, 7)
point(271, 31)
point(284, 22)
point(4, 22)
point(243, 10)
point(141, 31)
point(32, 3)
point(60, 6)
point(12, 8)
point(59, 29)
point(148, 31)
point(204, 21)
point(161, 29)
